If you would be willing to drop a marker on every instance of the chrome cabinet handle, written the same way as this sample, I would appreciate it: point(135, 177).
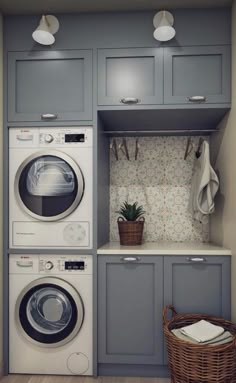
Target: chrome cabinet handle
point(130, 259)
point(197, 99)
point(48, 116)
point(196, 259)
point(130, 100)
point(24, 263)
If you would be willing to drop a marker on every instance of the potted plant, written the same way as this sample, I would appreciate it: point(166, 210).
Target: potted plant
point(130, 223)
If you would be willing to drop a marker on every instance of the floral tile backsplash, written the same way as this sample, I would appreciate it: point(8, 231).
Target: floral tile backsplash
point(160, 180)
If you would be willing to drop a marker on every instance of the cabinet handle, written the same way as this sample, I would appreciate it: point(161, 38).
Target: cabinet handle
point(130, 259)
point(197, 99)
point(130, 100)
point(48, 116)
point(196, 259)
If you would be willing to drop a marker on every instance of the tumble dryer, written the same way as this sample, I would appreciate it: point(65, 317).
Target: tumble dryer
point(50, 187)
point(50, 315)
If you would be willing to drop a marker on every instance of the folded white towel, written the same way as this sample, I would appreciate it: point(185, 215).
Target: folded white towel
point(221, 339)
point(205, 185)
point(202, 331)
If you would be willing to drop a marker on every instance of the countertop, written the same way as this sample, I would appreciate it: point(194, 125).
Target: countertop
point(164, 248)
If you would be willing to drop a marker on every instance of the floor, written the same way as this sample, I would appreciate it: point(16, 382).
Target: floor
point(75, 379)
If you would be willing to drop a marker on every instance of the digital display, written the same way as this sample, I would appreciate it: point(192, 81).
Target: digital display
point(74, 137)
point(74, 265)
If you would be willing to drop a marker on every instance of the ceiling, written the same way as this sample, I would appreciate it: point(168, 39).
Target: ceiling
point(70, 6)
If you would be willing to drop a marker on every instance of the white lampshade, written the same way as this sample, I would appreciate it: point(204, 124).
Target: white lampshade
point(48, 26)
point(163, 22)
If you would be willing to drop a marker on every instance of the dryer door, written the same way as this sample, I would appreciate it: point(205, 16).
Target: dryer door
point(49, 186)
point(49, 312)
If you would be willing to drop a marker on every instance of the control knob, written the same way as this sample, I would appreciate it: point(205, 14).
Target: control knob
point(48, 138)
point(49, 265)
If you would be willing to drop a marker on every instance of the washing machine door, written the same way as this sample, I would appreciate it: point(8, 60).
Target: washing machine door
point(49, 185)
point(49, 312)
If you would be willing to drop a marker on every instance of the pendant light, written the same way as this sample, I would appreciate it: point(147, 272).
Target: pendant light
point(47, 27)
point(163, 22)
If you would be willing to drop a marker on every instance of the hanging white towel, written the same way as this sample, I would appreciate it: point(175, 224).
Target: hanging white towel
point(205, 185)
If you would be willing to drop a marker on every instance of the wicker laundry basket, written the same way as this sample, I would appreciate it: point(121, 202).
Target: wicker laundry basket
point(194, 363)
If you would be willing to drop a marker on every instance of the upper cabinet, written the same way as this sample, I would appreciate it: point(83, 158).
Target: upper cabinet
point(50, 86)
point(130, 76)
point(191, 75)
point(195, 75)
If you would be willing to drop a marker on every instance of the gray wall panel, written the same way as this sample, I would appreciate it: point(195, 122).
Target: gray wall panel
point(130, 29)
point(103, 186)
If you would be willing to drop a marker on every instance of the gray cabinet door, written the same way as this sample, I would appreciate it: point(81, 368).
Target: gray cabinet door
point(197, 71)
point(55, 82)
point(130, 73)
point(130, 301)
point(198, 284)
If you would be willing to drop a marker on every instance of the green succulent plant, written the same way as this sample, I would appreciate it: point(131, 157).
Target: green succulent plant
point(131, 212)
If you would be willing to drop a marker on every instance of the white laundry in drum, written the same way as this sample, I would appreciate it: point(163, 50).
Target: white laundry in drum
point(50, 178)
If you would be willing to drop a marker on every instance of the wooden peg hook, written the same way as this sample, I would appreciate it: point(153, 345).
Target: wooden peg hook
point(189, 148)
point(124, 149)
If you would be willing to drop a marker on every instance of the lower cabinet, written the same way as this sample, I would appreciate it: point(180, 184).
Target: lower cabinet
point(198, 284)
point(132, 291)
point(130, 301)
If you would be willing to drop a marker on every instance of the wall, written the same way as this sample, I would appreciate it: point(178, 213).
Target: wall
point(223, 223)
point(160, 180)
point(1, 140)
point(122, 29)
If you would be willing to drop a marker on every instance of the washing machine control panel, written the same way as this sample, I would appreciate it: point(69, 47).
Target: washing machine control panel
point(64, 265)
point(62, 138)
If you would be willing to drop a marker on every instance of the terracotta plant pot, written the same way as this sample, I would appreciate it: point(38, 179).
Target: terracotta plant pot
point(131, 232)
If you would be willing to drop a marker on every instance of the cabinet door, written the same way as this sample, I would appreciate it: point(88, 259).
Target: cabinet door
point(130, 76)
point(197, 71)
point(130, 301)
point(198, 284)
point(57, 83)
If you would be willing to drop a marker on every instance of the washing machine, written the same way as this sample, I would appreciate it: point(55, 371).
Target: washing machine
point(50, 187)
point(50, 314)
